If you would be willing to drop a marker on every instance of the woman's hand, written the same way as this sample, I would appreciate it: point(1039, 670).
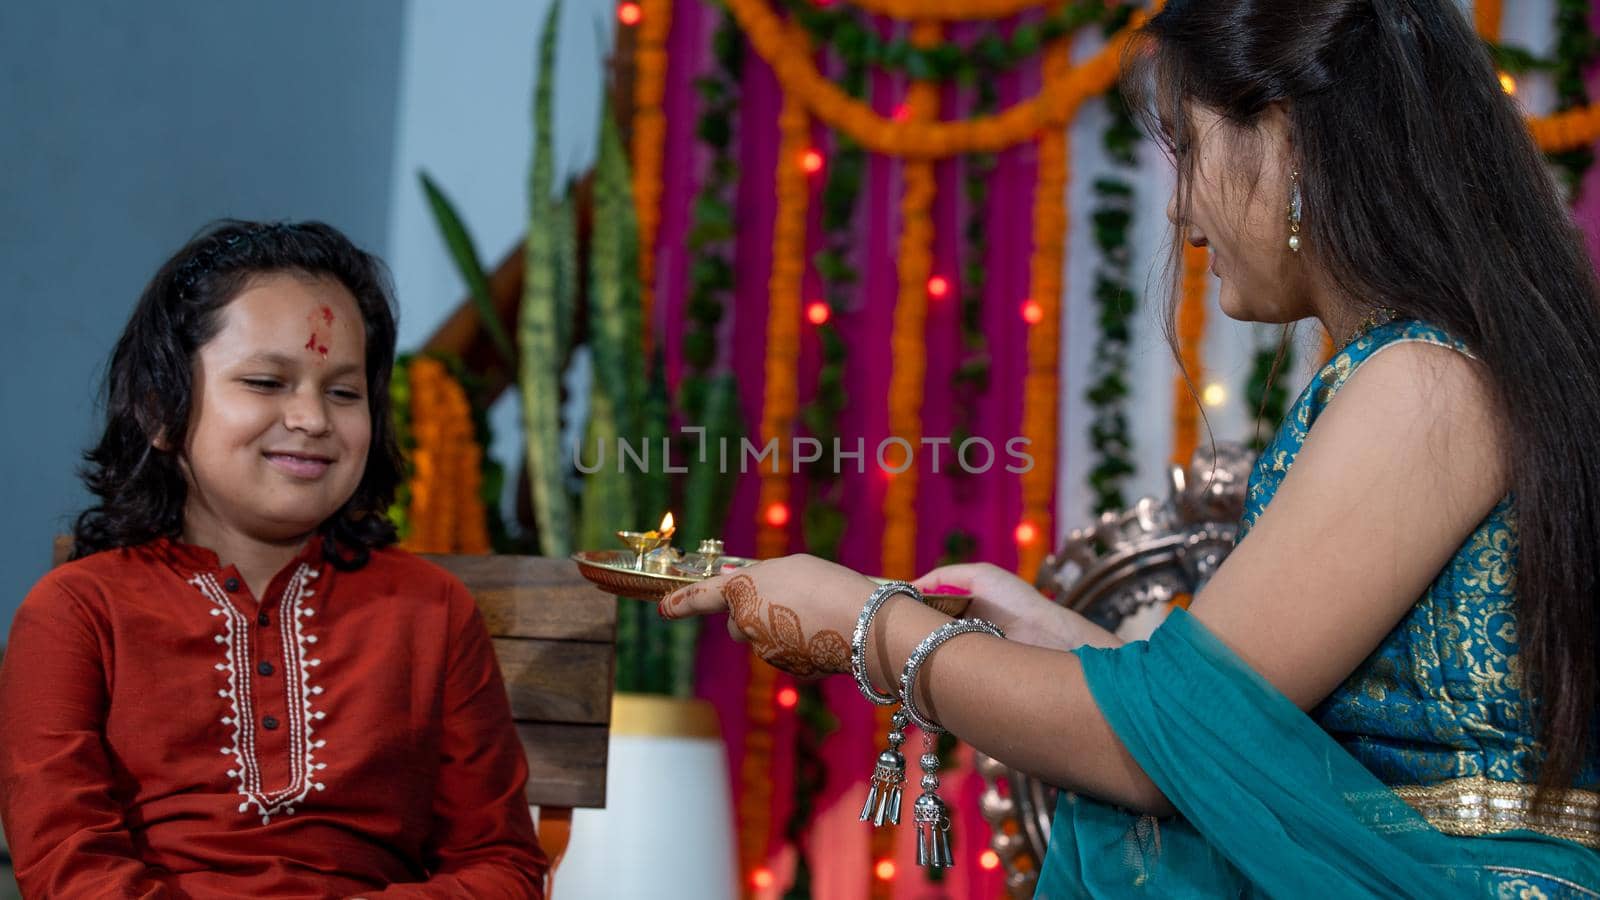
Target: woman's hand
point(1024, 614)
point(797, 612)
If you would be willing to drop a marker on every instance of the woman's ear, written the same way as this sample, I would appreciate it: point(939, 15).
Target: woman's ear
point(1278, 129)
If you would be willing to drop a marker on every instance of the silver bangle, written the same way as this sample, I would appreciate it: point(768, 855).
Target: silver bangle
point(908, 677)
point(858, 640)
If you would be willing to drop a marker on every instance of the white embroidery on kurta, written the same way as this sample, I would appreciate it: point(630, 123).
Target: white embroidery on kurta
point(238, 663)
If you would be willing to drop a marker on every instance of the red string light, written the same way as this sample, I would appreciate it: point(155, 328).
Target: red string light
point(1027, 533)
point(788, 698)
point(817, 312)
point(988, 859)
point(1032, 312)
point(884, 869)
point(938, 287)
point(761, 879)
point(630, 14)
point(778, 515)
point(811, 162)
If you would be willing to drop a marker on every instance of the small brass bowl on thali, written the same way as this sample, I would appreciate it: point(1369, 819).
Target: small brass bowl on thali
point(614, 572)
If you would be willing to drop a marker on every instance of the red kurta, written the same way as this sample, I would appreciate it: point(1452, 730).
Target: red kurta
point(165, 734)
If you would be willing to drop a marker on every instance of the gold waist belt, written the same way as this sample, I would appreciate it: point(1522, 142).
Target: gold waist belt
point(1476, 806)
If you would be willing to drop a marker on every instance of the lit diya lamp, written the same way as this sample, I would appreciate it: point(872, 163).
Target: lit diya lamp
point(643, 542)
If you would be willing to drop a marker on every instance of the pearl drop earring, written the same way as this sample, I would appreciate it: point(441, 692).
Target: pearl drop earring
point(1295, 206)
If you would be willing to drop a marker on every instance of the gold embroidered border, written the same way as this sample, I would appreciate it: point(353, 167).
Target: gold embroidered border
point(1477, 806)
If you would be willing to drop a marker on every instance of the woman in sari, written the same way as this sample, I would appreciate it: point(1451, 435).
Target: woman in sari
point(1389, 687)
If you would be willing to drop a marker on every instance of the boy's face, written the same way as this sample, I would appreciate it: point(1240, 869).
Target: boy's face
point(280, 427)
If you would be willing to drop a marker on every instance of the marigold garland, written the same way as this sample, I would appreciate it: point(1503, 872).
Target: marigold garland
point(907, 343)
point(1054, 105)
point(447, 513)
point(1039, 401)
point(898, 556)
point(1191, 339)
point(778, 411)
point(1567, 130)
point(783, 320)
point(649, 137)
point(946, 10)
point(1048, 110)
point(1486, 16)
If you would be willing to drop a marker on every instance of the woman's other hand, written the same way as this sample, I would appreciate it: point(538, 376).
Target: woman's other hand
point(1024, 614)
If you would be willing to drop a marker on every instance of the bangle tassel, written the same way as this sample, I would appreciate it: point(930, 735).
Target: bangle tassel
point(887, 778)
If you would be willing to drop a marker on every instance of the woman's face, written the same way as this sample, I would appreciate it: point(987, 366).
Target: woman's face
point(279, 429)
point(1239, 200)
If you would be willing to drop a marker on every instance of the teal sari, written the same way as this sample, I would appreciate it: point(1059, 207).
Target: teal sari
point(1271, 805)
point(1277, 803)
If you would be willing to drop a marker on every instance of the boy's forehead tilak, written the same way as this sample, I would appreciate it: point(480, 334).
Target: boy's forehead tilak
point(318, 342)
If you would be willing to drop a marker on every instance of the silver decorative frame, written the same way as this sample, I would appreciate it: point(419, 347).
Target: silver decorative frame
point(1123, 573)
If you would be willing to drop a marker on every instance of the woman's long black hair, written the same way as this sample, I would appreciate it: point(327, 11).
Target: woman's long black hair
point(149, 390)
point(1424, 193)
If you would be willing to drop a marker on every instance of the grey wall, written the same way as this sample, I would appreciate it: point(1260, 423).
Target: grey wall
point(123, 128)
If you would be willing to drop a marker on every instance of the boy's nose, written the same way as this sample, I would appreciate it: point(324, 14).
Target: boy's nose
point(307, 414)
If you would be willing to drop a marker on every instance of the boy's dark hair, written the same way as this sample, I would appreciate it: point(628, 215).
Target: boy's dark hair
point(148, 390)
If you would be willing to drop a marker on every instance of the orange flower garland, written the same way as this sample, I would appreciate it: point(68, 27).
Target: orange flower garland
point(1566, 130)
point(898, 556)
point(1486, 16)
point(1055, 104)
point(1050, 109)
point(649, 136)
point(1191, 339)
point(906, 345)
point(783, 319)
point(1039, 395)
point(447, 514)
point(779, 406)
point(947, 10)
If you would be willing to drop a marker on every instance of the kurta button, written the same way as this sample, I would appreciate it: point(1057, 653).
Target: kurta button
point(264, 667)
point(232, 584)
point(263, 620)
point(270, 723)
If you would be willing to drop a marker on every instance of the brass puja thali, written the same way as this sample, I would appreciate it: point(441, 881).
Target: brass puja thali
point(659, 569)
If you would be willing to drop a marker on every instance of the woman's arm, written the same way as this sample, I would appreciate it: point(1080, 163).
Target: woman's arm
point(483, 843)
point(66, 830)
point(1397, 473)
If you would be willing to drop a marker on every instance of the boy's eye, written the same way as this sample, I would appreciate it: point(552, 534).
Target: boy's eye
point(348, 394)
point(263, 383)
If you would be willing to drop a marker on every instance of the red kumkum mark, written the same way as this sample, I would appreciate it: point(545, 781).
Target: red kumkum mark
point(313, 343)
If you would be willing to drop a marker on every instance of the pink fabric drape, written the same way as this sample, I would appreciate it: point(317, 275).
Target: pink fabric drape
point(1587, 206)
